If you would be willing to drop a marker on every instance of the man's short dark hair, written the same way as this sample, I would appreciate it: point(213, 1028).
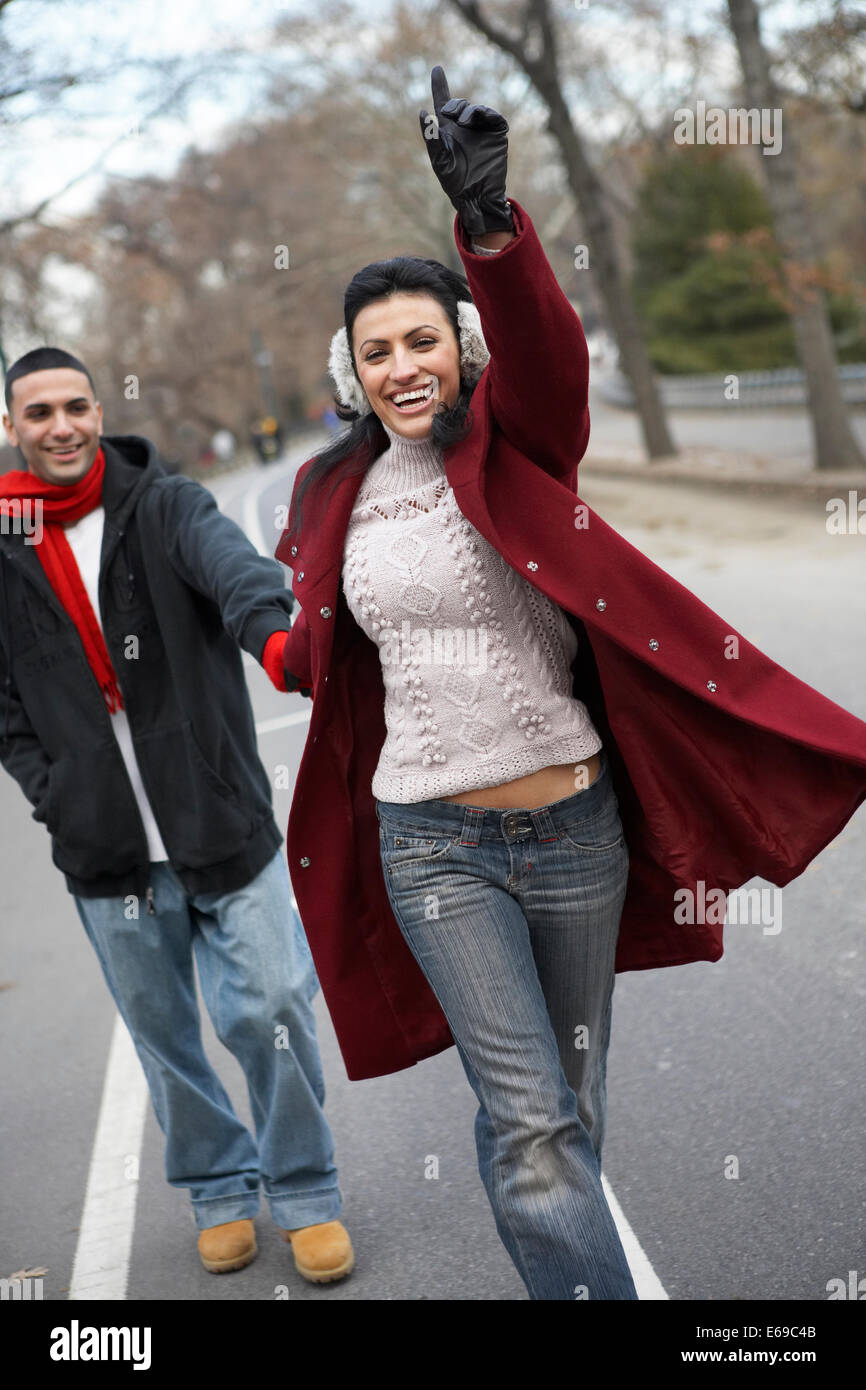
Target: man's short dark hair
point(42, 359)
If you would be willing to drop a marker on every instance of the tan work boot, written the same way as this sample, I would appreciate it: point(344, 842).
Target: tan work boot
point(322, 1252)
point(227, 1247)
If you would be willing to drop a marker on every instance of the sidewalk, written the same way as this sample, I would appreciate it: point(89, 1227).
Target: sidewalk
point(749, 473)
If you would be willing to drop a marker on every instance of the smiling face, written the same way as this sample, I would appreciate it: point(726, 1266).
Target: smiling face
point(402, 344)
point(56, 422)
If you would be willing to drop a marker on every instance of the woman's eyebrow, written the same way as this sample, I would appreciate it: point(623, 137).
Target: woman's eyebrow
point(405, 335)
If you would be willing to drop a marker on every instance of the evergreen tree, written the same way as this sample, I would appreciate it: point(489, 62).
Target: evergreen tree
point(707, 272)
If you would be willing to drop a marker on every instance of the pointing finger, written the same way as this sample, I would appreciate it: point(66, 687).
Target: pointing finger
point(439, 88)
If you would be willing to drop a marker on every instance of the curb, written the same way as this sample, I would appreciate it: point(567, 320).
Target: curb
point(809, 486)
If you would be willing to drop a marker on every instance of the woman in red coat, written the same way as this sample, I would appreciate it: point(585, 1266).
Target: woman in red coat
point(489, 661)
point(506, 882)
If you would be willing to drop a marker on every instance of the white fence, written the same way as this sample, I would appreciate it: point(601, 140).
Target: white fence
point(786, 386)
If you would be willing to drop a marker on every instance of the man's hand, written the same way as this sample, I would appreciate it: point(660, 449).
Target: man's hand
point(468, 148)
point(273, 660)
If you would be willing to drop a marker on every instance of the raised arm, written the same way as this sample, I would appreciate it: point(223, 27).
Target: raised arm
point(539, 362)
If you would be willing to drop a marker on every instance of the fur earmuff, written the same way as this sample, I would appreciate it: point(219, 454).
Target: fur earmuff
point(473, 358)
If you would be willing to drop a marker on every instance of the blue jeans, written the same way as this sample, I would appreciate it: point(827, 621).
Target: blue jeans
point(513, 916)
point(258, 980)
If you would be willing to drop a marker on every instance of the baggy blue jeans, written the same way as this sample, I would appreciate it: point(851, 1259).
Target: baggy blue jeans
point(513, 916)
point(258, 982)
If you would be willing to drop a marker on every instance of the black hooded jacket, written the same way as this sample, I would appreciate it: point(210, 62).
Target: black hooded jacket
point(183, 580)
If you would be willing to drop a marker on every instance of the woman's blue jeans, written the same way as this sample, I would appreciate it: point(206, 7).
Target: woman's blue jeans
point(258, 981)
point(513, 916)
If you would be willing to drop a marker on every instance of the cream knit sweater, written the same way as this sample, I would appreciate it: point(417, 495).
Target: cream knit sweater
point(475, 660)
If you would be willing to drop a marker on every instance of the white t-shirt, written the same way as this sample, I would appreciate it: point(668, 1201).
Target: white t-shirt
point(85, 539)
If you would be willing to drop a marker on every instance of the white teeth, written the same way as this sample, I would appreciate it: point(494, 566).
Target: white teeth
point(403, 396)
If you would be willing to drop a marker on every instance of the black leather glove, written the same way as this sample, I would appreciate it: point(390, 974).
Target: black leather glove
point(294, 687)
point(469, 155)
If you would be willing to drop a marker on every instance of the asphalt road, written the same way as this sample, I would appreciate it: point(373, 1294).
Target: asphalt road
point(777, 432)
point(758, 1056)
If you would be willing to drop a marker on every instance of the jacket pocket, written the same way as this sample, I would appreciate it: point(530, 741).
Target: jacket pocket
point(91, 814)
point(202, 818)
point(208, 774)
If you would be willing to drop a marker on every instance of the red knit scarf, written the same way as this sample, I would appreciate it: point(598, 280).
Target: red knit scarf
point(58, 505)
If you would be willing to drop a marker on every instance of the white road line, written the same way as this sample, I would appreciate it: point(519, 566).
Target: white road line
point(226, 491)
point(646, 1281)
point(283, 721)
point(101, 1266)
point(250, 521)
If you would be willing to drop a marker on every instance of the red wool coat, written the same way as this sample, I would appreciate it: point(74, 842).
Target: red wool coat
point(725, 765)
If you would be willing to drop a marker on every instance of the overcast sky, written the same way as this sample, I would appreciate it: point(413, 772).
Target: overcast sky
point(67, 139)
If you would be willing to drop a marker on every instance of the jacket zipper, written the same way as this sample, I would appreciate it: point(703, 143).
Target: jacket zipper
point(151, 906)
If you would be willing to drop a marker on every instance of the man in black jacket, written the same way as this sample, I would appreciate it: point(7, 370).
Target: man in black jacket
point(125, 718)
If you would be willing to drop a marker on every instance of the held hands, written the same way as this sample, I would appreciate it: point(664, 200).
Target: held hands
point(273, 661)
point(468, 148)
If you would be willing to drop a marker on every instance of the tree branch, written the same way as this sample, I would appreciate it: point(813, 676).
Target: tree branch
point(471, 12)
point(35, 213)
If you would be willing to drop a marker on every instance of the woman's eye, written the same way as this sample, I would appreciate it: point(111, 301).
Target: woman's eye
point(419, 342)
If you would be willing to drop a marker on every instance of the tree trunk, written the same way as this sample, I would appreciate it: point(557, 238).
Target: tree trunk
point(835, 445)
point(612, 283)
point(587, 191)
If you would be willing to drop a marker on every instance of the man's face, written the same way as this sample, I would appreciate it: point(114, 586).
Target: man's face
point(56, 423)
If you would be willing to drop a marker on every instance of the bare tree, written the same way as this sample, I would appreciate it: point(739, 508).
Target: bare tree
point(826, 58)
point(175, 277)
point(534, 48)
point(34, 80)
point(834, 443)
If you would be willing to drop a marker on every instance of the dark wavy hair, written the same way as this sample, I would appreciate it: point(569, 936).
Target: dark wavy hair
point(366, 435)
